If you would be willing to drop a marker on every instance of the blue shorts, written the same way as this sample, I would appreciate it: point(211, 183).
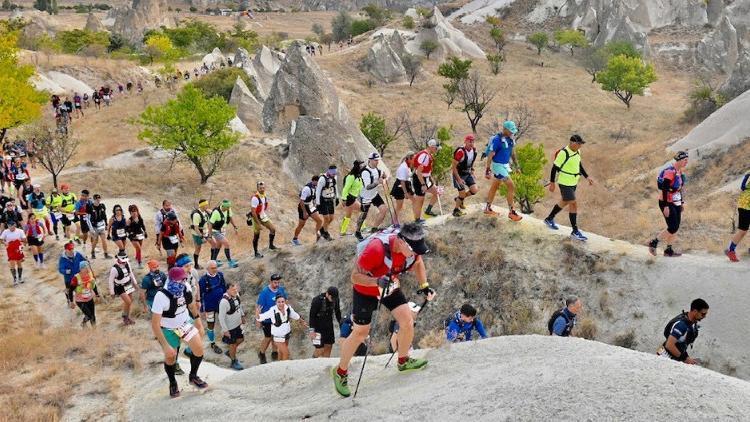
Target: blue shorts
point(501, 171)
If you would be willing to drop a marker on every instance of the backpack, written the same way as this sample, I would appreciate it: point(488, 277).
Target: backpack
point(203, 219)
point(692, 335)
point(567, 156)
point(384, 236)
point(660, 180)
point(220, 275)
point(232, 306)
point(277, 317)
point(551, 323)
point(121, 273)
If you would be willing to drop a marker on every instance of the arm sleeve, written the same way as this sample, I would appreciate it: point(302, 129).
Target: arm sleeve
point(348, 182)
point(314, 309)
point(480, 328)
point(558, 328)
point(668, 175)
point(583, 171)
point(223, 309)
point(745, 182)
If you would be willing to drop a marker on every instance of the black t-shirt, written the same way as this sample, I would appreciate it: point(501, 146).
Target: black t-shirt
point(97, 213)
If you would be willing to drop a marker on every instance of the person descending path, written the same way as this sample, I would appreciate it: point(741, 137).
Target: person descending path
point(402, 188)
point(136, 229)
point(460, 325)
point(100, 228)
point(198, 220)
point(220, 218)
point(671, 203)
point(568, 164)
point(266, 300)
point(231, 318)
point(67, 208)
point(152, 283)
point(327, 199)
point(281, 316)
point(562, 321)
point(380, 260)
point(35, 232)
point(462, 169)
point(350, 194)
point(170, 237)
point(82, 210)
point(212, 288)
point(13, 238)
point(306, 209)
point(38, 204)
point(422, 180)
point(743, 208)
point(259, 218)
point(53, 204)
point(69, 263)
point(499, 155)
point(118, 228)
point(372, 179)
point(682, 331)
point(322, 310)
point(81, 292)
point(122, 283)
point(174, 318)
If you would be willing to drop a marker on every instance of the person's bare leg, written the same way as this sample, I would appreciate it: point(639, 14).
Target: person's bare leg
point(405, 319)
point(351, 343)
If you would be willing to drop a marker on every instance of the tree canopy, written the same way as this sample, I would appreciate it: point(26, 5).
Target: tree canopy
point(626, 76)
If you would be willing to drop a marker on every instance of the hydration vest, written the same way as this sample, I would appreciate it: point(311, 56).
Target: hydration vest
point(310, 199)
point(224, 218)
point(465, 165)
point(385, 237)
point(234, 303)
point(177, 305)
point(277, 317)
point(329, 189)
point(122, 273)
point(569, 322)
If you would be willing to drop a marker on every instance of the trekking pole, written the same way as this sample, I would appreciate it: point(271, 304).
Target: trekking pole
point(394, 352)
point(391, 208)
point(369, 341)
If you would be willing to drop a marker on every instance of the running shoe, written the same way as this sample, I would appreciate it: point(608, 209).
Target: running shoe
point(236, 365)
point(178, 370)
point(577, 235)
point(412, 364)
point(258, 255)
point(273, 248)
point(174, 391)
point(551, 224)
point(196, 381)
point(262, 358)
point(652, 247)
point(219, 263)
point(457, 213)
point(732, 255)
point(513, 215)
point(232, 263)
point(489, 211)
point(671, 253)
point(340, 382)
point(216, 349)
point(431, 213)
point(296, 242)
point(420, 221)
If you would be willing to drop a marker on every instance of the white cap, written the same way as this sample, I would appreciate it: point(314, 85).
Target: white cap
point(433, 143)
point(374, 156)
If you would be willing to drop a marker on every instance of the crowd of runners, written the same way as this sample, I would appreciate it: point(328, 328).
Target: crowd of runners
point(189, 302)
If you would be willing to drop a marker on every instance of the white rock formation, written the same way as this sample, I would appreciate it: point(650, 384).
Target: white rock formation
point(93, 24)
point(383, 61)
point(132, 21)
point(262, 69)
point(214, 58)
point(451, 41)
point(59, 83)
point(249, 109)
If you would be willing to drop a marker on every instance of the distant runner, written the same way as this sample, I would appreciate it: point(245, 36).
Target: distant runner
point(200, 232)
point(372, 179)
point(743, 208)
point(281, 316)
point(306, 209)
point(122, 283)
point(562, 321)
point(500, 153)
point(81, 292)
point(462, 169)
point(221, 217)
point(350, 194)
point(402, 187)
point(259, 219)
point(231, 318)
point(13, 238)
point(266, 300)
point(327, 198)
point(322, 310)
point(671, 203)
point(682, 331)
point(212, 288)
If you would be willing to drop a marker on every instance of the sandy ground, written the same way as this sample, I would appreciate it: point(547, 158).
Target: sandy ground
point(508, 378)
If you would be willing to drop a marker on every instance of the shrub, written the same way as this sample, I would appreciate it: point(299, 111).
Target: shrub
point(220, 82)
point(529, 190)
point(75, 40)
point(341, 26)
point(704, 100)
point(428, 47)
point(587, 329)
point(444, 157)
point(626, 76)
point(495, 60)
point(408, 22)
point(361, 26)
point(377, 14)
point(317, 29)
point(539, 40)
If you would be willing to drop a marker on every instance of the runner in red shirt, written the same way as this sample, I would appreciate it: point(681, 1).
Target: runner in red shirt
point(422, 180)
point(375, 279)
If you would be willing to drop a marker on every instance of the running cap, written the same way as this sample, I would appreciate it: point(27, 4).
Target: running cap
point(511, 126)
point(37, 186)
point(333, 291)
point(177, 274)
point(276, 276)
point(260, 183)
point(171, 216)
point(64, 186)
point(374, 156)
point(70, 246)
point(153, 264)
point(413, 234)
point(184, 260)
point(681, 156)
point(469, 137)
point(202, 202)
point(226, 203)
point(85, 192)
point(576, 139)
point(83, 265)
point(54, 190)
point(414, 307)
point(332, 170)
point(433, 143)
point(12, 222)
point(122, 256)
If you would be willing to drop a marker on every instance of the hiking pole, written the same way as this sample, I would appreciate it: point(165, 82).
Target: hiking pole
point(394, 352)
point(369, 339)
point(391, 208)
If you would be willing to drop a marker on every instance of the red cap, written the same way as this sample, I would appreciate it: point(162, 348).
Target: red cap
point(69, 246)
point(469, 137)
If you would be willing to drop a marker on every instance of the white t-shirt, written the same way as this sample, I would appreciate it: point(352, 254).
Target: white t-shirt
point(369, 176)
point(8, 236)
point(161, 304)
point(306, 193)
point(255, 202)
point(403, 172)
point(285, 327)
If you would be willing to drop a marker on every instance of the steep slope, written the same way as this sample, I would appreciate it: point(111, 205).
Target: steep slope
point(515, 377)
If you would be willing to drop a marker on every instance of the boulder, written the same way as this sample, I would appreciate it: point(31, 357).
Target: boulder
point(249, 109)
point(93, 24)
point(132, 21)
point(214, 58)
point(719, 51)
point(739, 81)
point(59, 83)
point(238, 126)
point(241, 58)
point(303, 103)
point(451, 41)
point(263, 68)
point(396, 41)
point(412, 13)
point(38, 25)
point(383, 62)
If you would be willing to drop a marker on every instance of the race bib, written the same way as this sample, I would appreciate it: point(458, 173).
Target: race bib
point(174, 239)
point(58, 215)
point(139, 236)
point(428, 182)
point(312, 209)
point(186, 331)
point(317, 339)
point(101, 226)
point(264, 217)
point(39, 237)
point(129, 288)
point(120, 232)
point(677, 198)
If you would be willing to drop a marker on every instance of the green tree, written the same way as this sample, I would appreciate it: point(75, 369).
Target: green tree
point(361, 26)
point(74, 41)
point(374, 128)
point(626, 76)
point(594, 60)
point(498, 36)
point(529, 189)
point(159, 48)
point(219, 83)
point(377, 14)
point(428, 47)
point(317, 29)
point(412, 65)
point(326, 39)
point(341, 26)
point(539, 40)
point(474, 95)
point(455, 70)
point(20, 103)
point(192, 128)
point(407, 22)
point(495, 60)
point(444, 157)
point(571, 38)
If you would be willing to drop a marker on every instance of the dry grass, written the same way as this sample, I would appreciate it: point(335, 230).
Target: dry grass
point(626, 339)
point(587, 328)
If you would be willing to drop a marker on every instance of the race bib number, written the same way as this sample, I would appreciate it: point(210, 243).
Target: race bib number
point(174, 239)
point(186, 331)
point(120, 232)
point(264, 217)
point(39, 237)
point(139, 236)
point(100, 226)
point(58, 215)
point(129, 288)
point(428, 182)
point(317, 339)
point(312, 209)
point(677, 198)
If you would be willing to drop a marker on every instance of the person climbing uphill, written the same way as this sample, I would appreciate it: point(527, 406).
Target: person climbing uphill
point(422, 180)
point(462, 323)
point(220, 218)
point(99, 225)
point(381, 259)
point(122, 283)
point(568, 165)
point(306, 209)
point(281, 316)
point(562, 321)
point(402, 187)
point(266, 300)
point(201, 235)
point(743, 209)
point(322, 311)
point(372, 179)
point(152, 283)
point(169, 237)
point(350, 194)
point(500, 153)
point(231, 318)
point(327, 198)
point(681, 332)
point(671, 203)
point(212, 288)
point(259, 218)
point(462, 170)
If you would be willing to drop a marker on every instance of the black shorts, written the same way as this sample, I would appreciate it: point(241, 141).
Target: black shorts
point(266, 327)
point(84, 226)
point(568, 192)
point(66, 221)
point(419, 189)
point(675, 216)
point(350, 199)
point(167, 245)
point(234, 335)
point(744, 221)
point(364, 306)
point(120, 289)
point(327, 206)
point(377, 201)
point(307, 209)
point(327, 336)
point(18, 184)
point(401, 188)
point(33, 241)
point(467, 180)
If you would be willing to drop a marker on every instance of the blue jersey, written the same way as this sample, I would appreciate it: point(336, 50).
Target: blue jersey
point(502, 146)
point(267, 299)
point(458, 330)
point(212, 290)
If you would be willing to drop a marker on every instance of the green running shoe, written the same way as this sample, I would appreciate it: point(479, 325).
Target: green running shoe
point(341, 382)
point(412, 364)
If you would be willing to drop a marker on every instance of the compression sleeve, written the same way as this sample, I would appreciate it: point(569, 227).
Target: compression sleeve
point(746, 182)
point(583, 171)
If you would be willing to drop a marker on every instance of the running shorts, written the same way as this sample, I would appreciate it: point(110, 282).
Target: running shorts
point(568, 192)
point(327, 206)
point(467, 180)
point(174, 335)
point(401, 188)
point(266, 327)
point(301, 215)
point(744, 223)
point(501, 171)
point(124, 288)
point(377, 201)
point(350, 199)
point(327, 336)
point(419, 189)
point(364, 306)
point(235, 334)
point(675, 216)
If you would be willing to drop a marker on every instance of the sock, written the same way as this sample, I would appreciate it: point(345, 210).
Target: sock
point(556, 209)
point(654, 242)
point(195, 363)
point(169, 369)
point(341, 372)
point(227, 254)
point(138, 256)
point(210, 334)
point(669, 248)
point(573, 221)
point(402, 359)
point(36, 258)
point(256, 238)
point(214, 254)
point(54, 227)
point(455, 209)
point(170, 261)
point(195, 258)
point(429, 209)
point(47, 225)
point(20, 273)
point(345, 225)
point(271, 236)
point(41, 257)
point(13, 271)
point(188, 350)
point(732, 246)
